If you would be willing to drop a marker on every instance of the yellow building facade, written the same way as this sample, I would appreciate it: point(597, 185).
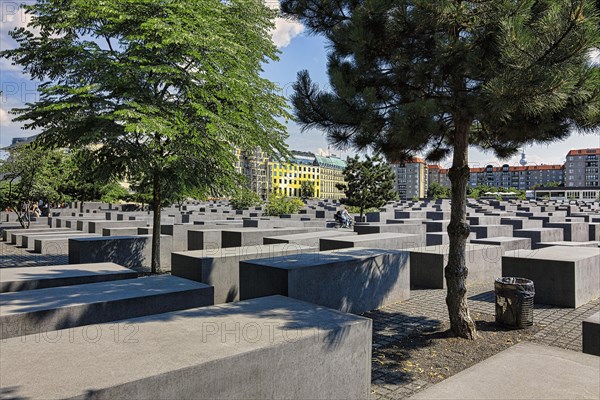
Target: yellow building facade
point(286, 178)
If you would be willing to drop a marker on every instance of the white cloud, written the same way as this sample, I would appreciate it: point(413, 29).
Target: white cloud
point(285, 30)
point(5, 119)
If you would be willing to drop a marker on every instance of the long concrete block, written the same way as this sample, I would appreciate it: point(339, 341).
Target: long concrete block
point(540, 235)
point(572, 231)
point(388, 241)
point(19, 237)
point(125, 231)
point(566, 278)
point(591, 334)
point(255, 236)
point(57, 244)
point(29, 278)
point(427, 265)
point(522, 222)
point(272, 347)
point(490, 231)
point(310, 239)
point(97, 226)
point(220, 267)
point(350, 280)
point(441, 238)
point(366, 229)
point(130, 251)
point(507, 243)
point(44, 310)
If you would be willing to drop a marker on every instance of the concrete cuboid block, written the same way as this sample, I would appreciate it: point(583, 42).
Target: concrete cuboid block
point(562, 277)
point(220, 267)
point(391, 241)
point(350, 280)
point(591, 334)
point(44, 310)
point(427, 265)
point(538, 235)
point(129, 251)
point(572, 231)
point(273, 347)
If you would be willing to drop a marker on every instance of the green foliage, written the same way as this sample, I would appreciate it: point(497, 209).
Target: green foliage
point(159, 91)
point(481, 190)
point(370, 183)
point(307, 190)
point(506, 73)
point(415, 198)
point(436, 191)
point(113, 193)
point(29, 174)
point(245, 199)
point(278, 205)
point(552, 184)
point(356, 209)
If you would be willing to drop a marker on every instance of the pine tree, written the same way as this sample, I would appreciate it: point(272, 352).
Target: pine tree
point(369, 183)
point(435, 77)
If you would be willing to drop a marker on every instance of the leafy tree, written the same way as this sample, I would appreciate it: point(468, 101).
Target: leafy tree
point(307, 190)
point(245, 199)
point(436, 77)
point(113, 193)
point(436, 191)
point(30, 174)
point(369, 183)
point(157, 90)
point(279, 205)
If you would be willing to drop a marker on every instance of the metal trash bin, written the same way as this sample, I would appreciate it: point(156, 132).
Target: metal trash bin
point(514, 302)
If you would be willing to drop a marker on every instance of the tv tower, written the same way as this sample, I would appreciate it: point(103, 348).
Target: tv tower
point(523, 161)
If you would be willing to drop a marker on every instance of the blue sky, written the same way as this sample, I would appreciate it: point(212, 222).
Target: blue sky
point(298, 51)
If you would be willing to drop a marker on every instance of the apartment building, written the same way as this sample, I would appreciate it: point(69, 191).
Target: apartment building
point(286, 178)
point(518, 177)
point(411, 178)
point(253, 165)
point(331, 174)
point(437, 174)
point(581, 168)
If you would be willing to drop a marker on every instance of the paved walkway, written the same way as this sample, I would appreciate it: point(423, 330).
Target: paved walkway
point(560, 327)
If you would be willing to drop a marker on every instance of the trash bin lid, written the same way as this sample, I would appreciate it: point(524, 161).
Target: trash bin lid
point(515, 283)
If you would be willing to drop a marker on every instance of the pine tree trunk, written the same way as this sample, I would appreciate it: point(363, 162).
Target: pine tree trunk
point(156, 208)
point(456, 271)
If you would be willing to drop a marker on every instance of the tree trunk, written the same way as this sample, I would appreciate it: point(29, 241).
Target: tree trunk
point(156, 208)
point(456, 271)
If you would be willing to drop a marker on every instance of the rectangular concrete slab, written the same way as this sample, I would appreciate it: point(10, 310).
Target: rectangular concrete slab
point(427, 265)
point(392, 241)
point(45, 310)
point(507, 243)
point(130, 251)
point(365, 229)
point(29, 278)
point(591, 334)
point(273, 347)
point(220, 267)
point(566, 277)
point(310, 239)
point(254, 236)
point(524, 371)
point(350, 280)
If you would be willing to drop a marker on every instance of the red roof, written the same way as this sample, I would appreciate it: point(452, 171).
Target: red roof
point(580, 152)
point(554, 167)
